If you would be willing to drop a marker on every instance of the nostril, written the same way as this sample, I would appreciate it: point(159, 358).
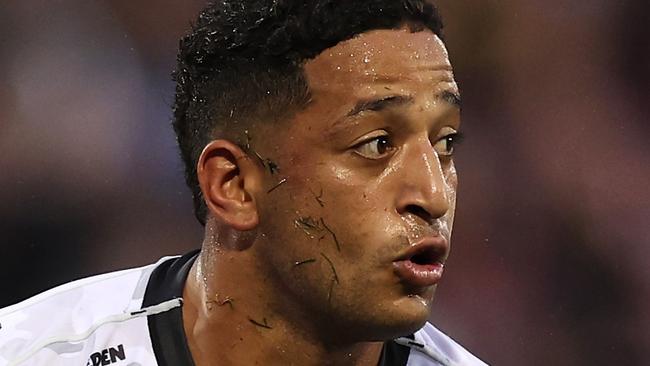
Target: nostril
point(419, 212)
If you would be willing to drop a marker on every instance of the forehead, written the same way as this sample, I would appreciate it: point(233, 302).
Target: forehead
point(385, 57)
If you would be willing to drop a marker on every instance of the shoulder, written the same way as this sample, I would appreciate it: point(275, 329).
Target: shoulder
point(431, 346)
point(71, 313)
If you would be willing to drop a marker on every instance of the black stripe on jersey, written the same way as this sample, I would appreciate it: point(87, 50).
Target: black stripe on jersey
point(393, 354)
point(166, 329)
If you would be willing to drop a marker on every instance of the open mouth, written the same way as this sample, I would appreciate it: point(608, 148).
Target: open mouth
point(422, 264)
point(428, 255)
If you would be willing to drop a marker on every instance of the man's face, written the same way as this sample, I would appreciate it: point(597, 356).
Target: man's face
point(369, 175)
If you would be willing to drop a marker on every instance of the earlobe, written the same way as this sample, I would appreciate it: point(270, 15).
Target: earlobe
point(229, 180)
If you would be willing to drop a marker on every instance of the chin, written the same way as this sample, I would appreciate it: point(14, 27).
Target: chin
point(396, 319)
point(410, 314)
point(401, 328)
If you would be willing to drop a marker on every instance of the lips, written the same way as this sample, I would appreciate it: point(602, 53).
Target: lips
point(422, 264)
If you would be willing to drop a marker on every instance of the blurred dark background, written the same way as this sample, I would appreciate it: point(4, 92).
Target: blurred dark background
point(552, 236)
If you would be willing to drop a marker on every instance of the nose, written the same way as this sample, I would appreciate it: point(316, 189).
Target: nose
point(423, 189)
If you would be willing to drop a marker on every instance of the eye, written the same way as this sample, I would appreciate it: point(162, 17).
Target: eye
point(445, 146)
point(375, 148)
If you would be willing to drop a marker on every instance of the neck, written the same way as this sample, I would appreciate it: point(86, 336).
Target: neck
point(229, 319)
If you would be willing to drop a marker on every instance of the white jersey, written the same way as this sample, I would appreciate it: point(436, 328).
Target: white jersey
point(134, 318)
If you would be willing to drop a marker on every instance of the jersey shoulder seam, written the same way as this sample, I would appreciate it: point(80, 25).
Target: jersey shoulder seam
point(62, 289)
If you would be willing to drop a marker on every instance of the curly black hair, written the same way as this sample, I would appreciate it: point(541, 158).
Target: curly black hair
point(243, 60)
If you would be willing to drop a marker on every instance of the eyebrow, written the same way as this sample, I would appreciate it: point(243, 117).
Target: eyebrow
point(451, 98)
point(376, 105)
point(379, 104)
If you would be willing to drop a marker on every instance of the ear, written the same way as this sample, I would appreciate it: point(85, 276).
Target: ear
point(229, 180)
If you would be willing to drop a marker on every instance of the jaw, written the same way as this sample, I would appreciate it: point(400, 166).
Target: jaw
point(377, 316)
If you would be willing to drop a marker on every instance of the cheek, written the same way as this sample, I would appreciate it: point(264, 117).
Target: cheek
point(337, 223)
point(451, 179)
point(333, 198)
point(299, 213)
point(368, 228)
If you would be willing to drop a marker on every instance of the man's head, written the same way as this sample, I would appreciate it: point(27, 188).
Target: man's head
point(243, 62)
point(325, 131)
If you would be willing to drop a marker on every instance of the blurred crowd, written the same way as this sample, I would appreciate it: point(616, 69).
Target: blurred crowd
point(552, 236)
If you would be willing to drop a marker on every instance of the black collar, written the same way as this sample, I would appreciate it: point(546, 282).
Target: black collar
point(166, 329)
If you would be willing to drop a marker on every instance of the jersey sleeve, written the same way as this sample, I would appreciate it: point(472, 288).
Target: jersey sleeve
point(87, 322)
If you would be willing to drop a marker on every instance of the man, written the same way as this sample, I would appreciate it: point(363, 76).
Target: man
point(318, 139)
